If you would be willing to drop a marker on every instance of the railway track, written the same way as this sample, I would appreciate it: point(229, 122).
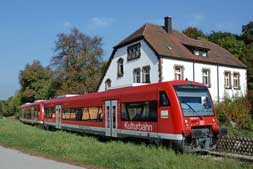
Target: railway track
point(234, 147)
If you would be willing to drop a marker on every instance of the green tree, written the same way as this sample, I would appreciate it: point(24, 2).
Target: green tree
point(233, 45)
point(216, 36)
point(194, 33)
point(248, 53)
point(35, 81)
point(247, 33)
point(1, 108)
point(77, 63)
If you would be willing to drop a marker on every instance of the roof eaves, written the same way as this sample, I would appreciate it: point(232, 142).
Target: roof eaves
point(199, 61)
point(128, 42)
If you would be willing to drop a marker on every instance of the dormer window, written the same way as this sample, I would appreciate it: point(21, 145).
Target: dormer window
point(204, 53)
point(134, 51)
point(196, 52)
point(200, 52)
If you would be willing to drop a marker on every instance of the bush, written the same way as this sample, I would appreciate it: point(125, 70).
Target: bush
point(235, 111)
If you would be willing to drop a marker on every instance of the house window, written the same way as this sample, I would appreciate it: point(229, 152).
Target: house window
point(204, 53)
point(196, 52)
point(236, 81)
point(108, 83)
point(137, 75)
point(120, 67)
point(179, 74)
point(206, 77)
point(146, 74)
point(134, 51)
point(227, 80)
point(200, 52)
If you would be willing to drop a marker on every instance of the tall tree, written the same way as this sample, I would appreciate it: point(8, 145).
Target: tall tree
point(233, 45)
point(248, 53)
point(247, 33)
point(77, 63)
point(216, 36)
point(35, 81)
point(194, 33)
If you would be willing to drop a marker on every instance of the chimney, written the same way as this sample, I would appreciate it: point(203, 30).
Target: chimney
point(168, 24)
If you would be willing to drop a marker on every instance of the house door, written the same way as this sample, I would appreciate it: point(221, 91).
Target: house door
point(58, 111)
point(111, 123)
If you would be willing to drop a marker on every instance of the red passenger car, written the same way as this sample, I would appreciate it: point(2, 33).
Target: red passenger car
point(179, 112)
point(32, 113)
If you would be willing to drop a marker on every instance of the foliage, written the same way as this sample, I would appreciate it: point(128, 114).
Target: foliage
point(216, 36)
point(247, 33)
point(233, 45)
point(77, 63)
point(235, 111)
point(248, 60)
point(35, 81)
point(194, 33)
point(10, 107)
point(114, 154)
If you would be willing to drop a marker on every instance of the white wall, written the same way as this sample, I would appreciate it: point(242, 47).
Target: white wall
point(167, 66)
point(147, 57)
point(213, 77)
point(232, 92)
point(217, 88)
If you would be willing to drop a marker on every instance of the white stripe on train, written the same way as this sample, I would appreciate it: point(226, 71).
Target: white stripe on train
point(123, 132)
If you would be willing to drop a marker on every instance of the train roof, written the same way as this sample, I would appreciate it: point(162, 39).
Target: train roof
point(115, 93)
point(35, 103)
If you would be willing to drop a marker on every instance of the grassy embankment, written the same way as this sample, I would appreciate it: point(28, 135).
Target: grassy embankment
point(114, 154)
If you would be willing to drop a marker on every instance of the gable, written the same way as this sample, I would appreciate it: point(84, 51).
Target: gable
point(147, 58)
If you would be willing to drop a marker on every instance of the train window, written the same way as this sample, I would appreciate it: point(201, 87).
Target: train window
point(36, 112)
point(83, 114)
point(49, 112)
point(92, 114)
point(164, 101)
point(139, 111)
point(28, 114)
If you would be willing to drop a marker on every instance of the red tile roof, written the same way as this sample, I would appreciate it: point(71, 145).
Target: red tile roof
point(174, 44)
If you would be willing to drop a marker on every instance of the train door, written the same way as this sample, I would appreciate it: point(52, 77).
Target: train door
point(111, 123)
point(58, 111)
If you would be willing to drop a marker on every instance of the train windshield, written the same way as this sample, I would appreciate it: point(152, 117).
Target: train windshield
point(194, 100)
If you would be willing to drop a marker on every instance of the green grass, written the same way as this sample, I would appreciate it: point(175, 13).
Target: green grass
point(113, 154)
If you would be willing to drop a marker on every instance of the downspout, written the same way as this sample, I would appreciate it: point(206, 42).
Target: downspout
point(218, 84)
point(193, 69)
point(160, 69)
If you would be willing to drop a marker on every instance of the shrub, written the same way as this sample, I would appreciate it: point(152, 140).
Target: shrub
point(235, 111)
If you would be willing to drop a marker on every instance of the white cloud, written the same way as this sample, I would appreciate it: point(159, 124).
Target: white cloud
point(67, 24)
point(100, 22)
point(196, 19)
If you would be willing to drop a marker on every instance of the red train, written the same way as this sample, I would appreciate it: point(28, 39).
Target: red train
point(178, 112)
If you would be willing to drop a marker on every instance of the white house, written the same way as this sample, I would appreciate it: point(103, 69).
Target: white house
point(156, 53)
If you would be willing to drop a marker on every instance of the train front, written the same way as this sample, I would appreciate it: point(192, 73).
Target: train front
point(200, 125)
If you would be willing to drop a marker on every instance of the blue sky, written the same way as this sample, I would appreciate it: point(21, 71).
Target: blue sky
point(28, 28)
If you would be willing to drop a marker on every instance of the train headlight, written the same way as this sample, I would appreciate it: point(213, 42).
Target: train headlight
point(214, 120)
point(186, 123)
